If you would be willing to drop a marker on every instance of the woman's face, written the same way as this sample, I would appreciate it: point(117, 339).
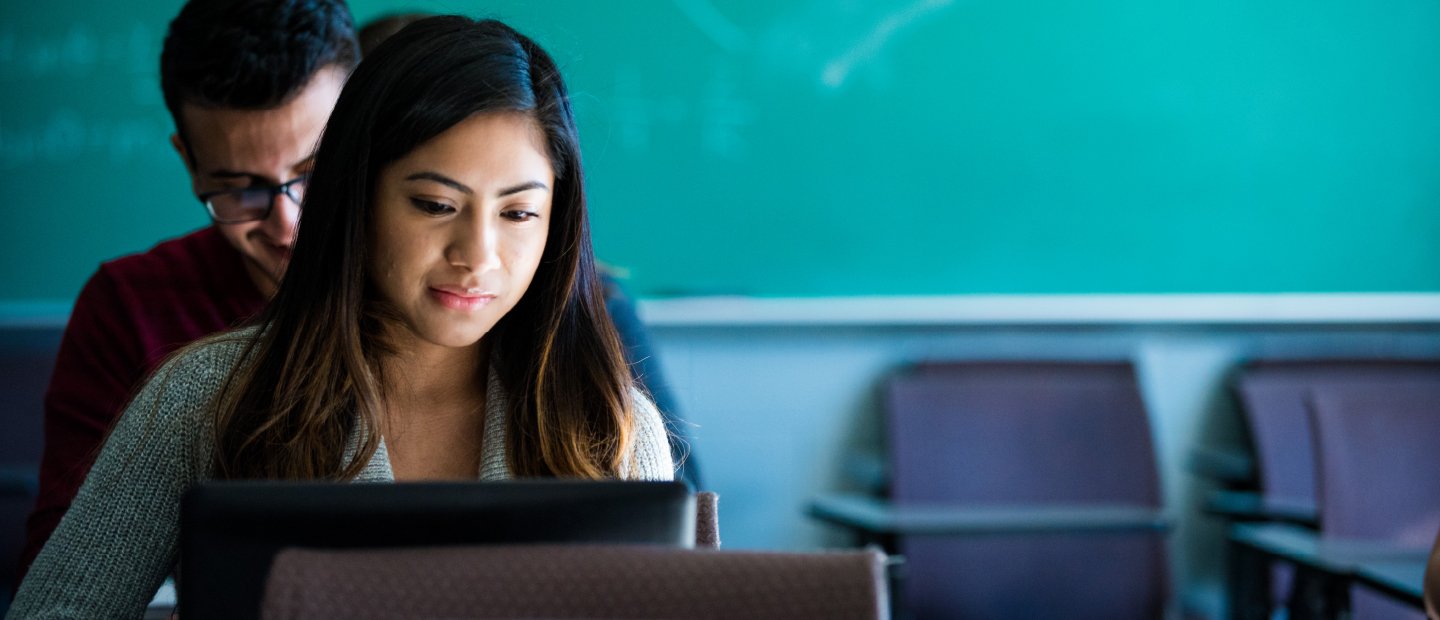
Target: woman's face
point(460, 225)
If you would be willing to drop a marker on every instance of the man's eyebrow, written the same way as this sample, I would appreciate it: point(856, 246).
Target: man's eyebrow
point(236, 174)
point(226, 173)
point(307, 161)
point(443, 180)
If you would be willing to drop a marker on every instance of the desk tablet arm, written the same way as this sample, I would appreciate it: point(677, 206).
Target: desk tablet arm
point(1326, 567)
point(1227, 466)
point(878, 518)
point(1252, 506)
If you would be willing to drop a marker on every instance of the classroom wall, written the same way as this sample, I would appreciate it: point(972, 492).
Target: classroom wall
point(777, 409)
point(819, 148)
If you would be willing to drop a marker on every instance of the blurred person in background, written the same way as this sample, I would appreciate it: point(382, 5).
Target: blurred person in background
point(250, 85)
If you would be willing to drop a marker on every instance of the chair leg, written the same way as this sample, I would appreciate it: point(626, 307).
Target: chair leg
point(895, 573)
point(1317, 595)
point(1249, 583)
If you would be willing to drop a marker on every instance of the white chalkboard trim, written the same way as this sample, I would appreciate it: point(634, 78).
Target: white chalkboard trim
point(1060, 310)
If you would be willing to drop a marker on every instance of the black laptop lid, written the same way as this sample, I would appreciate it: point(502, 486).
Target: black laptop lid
point(231, 531)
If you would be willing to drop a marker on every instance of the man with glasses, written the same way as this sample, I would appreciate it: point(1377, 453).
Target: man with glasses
point(249, 84)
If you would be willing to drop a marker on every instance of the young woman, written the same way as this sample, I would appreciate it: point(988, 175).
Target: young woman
point(441, 318)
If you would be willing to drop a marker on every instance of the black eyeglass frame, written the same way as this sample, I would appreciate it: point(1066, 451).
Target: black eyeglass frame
point(272, 190)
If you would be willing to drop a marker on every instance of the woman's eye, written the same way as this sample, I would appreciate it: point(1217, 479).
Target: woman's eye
point(517, 215)
point(431, 207)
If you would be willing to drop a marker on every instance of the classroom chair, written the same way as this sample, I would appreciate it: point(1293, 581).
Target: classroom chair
point(578, 581)
point(1019, 490)
point(1379, 478)
point(25, 365)
point(1028, 434)
point(1272, 397)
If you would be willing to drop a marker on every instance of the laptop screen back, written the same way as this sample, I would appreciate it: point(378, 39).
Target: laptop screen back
point(231, 531)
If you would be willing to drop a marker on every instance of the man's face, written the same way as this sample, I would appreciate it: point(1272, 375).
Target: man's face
point(234, 149)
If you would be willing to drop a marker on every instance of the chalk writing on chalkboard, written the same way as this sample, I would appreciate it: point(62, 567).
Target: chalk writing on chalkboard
point(66, 136)
point(838, 69)
point(91, 95)
point(718, 115)
point(829, 44)
point(78, 51)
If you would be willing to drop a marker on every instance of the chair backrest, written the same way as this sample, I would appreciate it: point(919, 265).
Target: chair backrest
point(520, 581)
point(1378, 471)
point(1273, 395)
point(1378, 476)
point(1018, 434)
point(27, 357)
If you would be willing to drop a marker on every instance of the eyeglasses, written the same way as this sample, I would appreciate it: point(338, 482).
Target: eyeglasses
point(232, 206)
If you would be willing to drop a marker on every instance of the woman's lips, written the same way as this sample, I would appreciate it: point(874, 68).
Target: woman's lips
point(461, 299)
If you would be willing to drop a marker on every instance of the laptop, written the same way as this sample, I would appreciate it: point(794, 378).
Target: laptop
point(231, 531)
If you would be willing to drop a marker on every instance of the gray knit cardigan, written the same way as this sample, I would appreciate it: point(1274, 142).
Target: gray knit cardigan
point(120, 537)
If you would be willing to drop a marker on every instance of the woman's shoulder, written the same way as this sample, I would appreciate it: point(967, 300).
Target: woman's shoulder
point(650, 442)
point(205, 364)
point(644, 405)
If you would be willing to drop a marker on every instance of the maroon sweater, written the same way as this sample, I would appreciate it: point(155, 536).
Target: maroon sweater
point(132, 313)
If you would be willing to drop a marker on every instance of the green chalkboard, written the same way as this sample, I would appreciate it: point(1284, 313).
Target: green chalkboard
point(820, 147)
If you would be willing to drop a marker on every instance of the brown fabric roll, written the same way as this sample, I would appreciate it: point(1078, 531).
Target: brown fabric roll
point(574, 582)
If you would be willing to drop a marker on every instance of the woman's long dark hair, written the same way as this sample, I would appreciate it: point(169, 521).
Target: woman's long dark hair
point(313, 371)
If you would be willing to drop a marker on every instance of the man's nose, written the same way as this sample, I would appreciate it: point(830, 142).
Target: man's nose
point(284, 218)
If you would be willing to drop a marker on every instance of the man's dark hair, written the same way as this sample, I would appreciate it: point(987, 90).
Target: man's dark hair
point(252, 54)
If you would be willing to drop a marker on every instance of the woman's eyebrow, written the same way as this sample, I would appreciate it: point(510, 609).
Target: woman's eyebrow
point(465, 189)
point(523, 187)
point(443, 180)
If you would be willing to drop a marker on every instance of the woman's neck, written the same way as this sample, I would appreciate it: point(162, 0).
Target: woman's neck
point(434, 416)
point(422, 377)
